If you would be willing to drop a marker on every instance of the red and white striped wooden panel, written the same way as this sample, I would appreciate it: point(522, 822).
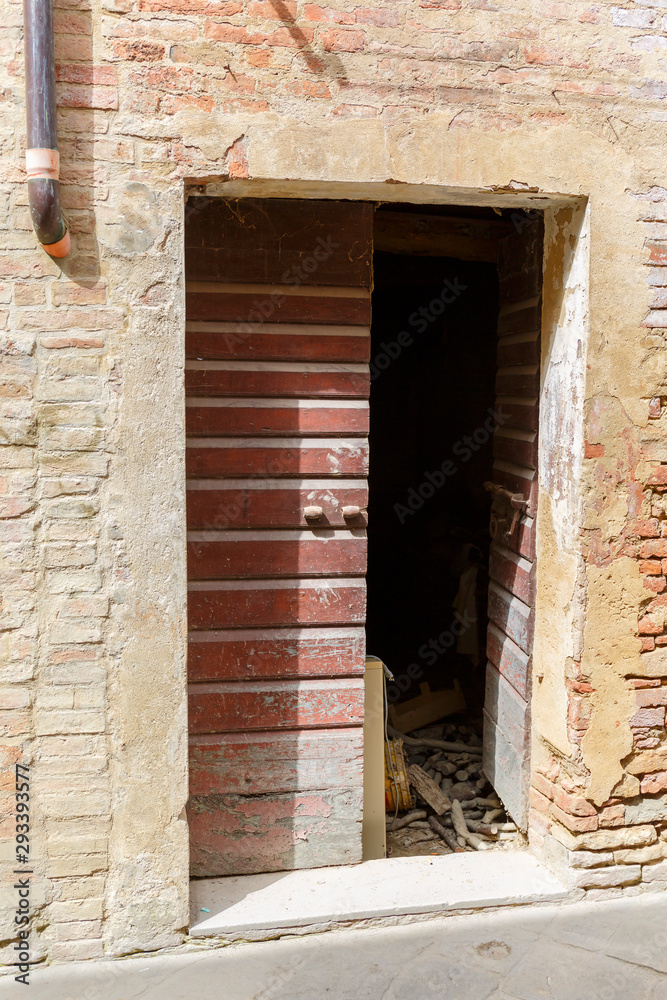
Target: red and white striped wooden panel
point(270, 503)
point(215, 416)
point(277, 383)
point(512, 560)
point(261, 653)
point(277, 704)
point(276, 341)
point(294, 795)
point(222, 457)
point(312, 552)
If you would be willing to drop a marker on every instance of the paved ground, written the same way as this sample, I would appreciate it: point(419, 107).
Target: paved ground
point(582, 951)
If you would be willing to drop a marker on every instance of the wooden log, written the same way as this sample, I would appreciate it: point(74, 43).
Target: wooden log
point(406, 820)
point(436, 744)
point(492, 814)
point(446, 835)
point(479, 826)
point(428, 789)
point(461, 828)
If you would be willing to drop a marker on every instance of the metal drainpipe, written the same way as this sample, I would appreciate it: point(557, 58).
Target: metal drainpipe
point(42, 159)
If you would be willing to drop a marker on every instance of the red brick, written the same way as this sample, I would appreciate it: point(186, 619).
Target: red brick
point(655, 583)
point(654, 782)
point(658, 477)
point(543, 785)
point(540, 803)
point(172, 104)
point(341, 40)
point(651, 567)
point(576, 824)
point(354, 111)
point(221, 8)
point(102, 98)
point(648, 627)
point(237, 159)
point(651, 697)
point(314, 12)
point(76, 73)
point(638, 683)
point(69, 294)
point(59, 343)
point(574, 804)
point(655, 548)
point(579, 712)
point(380, 17)
point(647, 529)
point(661, 640)
point(648, 718)
point(655, 404)
point(69, 22)
point(138, 51)
point(593, 450)
point(612, 816)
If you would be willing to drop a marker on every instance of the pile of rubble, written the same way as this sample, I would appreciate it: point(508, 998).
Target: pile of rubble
point(456, 807)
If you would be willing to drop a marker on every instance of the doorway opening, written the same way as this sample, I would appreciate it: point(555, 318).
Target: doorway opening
point(453, 438)
point(279, 337)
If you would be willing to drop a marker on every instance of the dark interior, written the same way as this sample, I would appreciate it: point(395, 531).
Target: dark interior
point(433, 368)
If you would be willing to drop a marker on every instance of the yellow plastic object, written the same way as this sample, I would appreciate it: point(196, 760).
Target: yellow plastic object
point(373, 836)
point(396, 784)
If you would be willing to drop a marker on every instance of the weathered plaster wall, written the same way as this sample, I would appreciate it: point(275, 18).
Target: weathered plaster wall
point(493, 101)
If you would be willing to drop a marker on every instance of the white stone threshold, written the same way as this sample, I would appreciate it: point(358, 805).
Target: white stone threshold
point(394, 887)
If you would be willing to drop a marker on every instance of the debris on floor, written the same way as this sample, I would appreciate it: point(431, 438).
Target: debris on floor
point(450, 806)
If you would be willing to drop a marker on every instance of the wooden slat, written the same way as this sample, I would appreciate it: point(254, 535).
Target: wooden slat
point(517, 480)
point(513, 573)
point(279, 761)
point(251, 603)
point(277, 704)
point(230, 340)
point(522, 414)
point(507, 709)
point(508, 659)
point(270, 503)
point(216, 457)
point(275, 379)
point(254, 654)
point(279, 240)
point(519, 448)
point(441, 236)
point(275, 418)
point(526, 317)
point(240, 308)
point(520, 380)
point(505, 768)
point(239, 835)
point(511, 616)
point(522, 349)
point(225, 555)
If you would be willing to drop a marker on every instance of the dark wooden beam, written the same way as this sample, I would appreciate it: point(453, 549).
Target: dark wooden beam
point(439, 236)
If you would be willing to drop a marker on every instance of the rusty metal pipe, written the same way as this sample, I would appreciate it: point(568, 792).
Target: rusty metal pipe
point(42, 159)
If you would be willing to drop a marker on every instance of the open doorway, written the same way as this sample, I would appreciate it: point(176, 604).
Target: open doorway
point(453, 438)
point(278, 344)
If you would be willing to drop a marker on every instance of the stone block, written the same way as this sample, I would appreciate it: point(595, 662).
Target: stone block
point(606, 878)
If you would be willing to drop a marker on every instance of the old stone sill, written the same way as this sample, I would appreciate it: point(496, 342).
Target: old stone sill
point(316, 898)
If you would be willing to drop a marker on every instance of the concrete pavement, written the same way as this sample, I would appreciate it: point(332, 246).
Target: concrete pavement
point(602, 950)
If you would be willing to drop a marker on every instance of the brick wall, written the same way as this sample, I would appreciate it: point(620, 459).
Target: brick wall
point(504, 96)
